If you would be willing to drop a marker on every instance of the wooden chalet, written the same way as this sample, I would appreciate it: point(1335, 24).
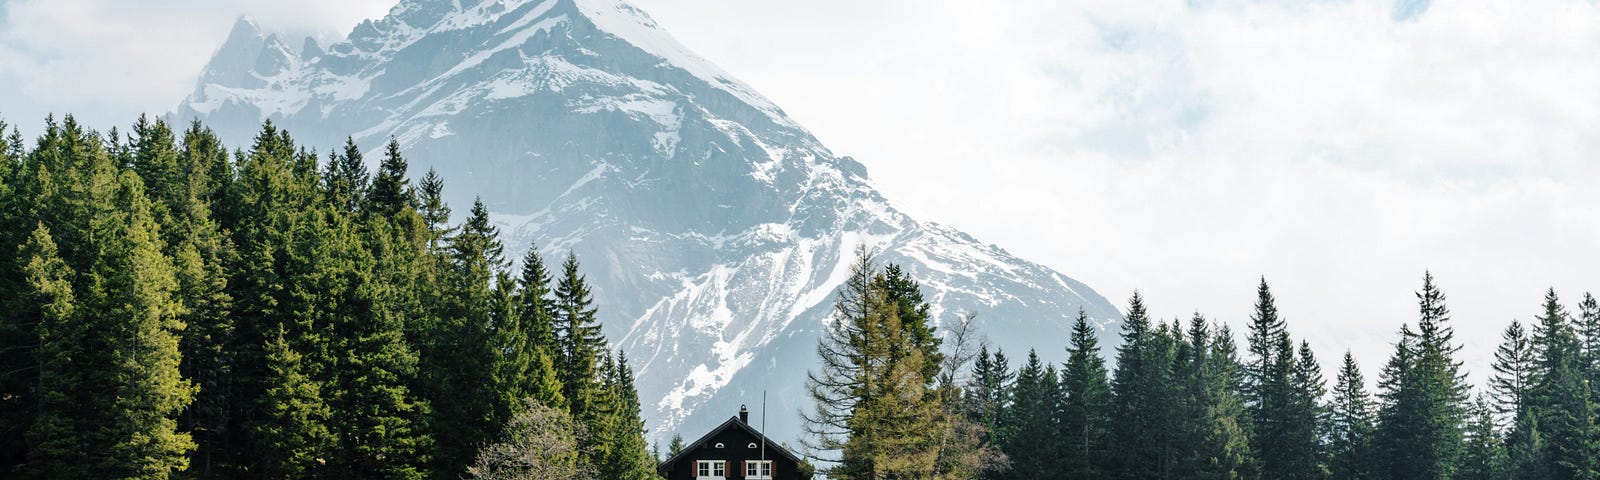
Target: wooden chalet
point(733, 451)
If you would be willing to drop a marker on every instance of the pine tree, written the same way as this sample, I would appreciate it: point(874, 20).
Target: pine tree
point(109, 373)
point(17, 336)
point(1589, 329)
point(541, 382)
point(1145, 391)
point(1423, 412)
point(1350, 425)
point(1560, 399)
point(1265, 330)
point(873, 404)
point(53, 434)
point(990, 392)
point(346, 178)
point(292, 436)
point(377, 419)
point(1514, 371)
point(1484, 458)
point(1033, 436)
point(200, 251)
point(581, 341)
point(623, 452)
point(389, 193)
point(430, 204)
point(462, 352)
point(1210, 427)
point(906, 295)
point(1306, 418)
point(1086, 404)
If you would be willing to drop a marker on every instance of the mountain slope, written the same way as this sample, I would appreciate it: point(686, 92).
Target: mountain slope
point(714, 228)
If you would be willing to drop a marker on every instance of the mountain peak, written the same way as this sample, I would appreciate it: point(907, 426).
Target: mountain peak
point(714, 228)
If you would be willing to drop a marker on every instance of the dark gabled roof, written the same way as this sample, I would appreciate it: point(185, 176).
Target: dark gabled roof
point(733, 422)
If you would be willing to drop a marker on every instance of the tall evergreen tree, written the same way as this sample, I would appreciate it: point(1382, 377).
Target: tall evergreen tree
point(990, 392)
point(873, 401)
point(1485, 456)
point(346, 178)
point(461, 354)
point(536, 314)
point(1513, 371)
point(623, 453)
point(1033, 438)
point(1145, 392)
point(582, 343)
point(1085, 405)
point(390, 191)
point(1423, 411)
point(1561, 401)
point(1350, 425)
point(110, 370)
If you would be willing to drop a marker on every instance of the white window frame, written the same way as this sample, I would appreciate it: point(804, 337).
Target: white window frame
point(753, 468)
point(710, 469)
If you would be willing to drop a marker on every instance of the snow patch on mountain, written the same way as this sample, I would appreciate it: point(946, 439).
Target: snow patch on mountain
point(714, 229)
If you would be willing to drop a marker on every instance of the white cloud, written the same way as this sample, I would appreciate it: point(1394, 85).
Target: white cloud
point(106, 61)
point(1186, 148)
point(1181, 147)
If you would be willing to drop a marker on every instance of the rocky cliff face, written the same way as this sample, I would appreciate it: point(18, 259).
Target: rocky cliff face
point(714, 228)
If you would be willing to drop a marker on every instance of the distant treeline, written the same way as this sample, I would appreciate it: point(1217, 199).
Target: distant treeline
point(894, 401)
point(172, 309)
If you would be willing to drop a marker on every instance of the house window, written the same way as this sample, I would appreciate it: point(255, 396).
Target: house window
point(710, 470)
point(758, 469)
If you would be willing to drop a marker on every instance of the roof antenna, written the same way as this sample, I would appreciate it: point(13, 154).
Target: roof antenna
point(763, 436)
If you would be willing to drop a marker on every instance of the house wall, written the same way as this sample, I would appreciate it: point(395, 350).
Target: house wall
point(735, 451)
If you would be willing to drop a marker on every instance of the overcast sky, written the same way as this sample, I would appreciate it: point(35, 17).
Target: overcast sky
point(1181, 147)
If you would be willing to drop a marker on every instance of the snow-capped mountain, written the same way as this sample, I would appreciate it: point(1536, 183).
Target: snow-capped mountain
point(714, 228)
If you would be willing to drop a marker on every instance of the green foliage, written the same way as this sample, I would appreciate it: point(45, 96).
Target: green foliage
point(875, 405)
point(1032, 430)
point(182, 311)
point(1422, 414)
point(1085, 405)
point(1350, 425)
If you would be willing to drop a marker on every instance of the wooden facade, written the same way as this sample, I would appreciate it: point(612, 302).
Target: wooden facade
point(733, 451)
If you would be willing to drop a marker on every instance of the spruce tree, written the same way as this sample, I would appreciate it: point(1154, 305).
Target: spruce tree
point(1560, 400)
point(873, 401)
point(1514, 369)
point(536, 316)
point(1589, 330)
point(1033, 439)
point(461, 354)
point(1145, 392)
point(1423, 413)
point(623, 453)
point(1306, 418)
point(990, 392)
point(1350, 425)
point(1086, 404)
point(581, 341)
point(1485, 455)
point(346, 178)
point(110, 370)
point(292, 439)
point(390, 191)
point(435, 213)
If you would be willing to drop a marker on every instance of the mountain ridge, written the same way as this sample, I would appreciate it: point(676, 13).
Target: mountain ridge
point(714, 228)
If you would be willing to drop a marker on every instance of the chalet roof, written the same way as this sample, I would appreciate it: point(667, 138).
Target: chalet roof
point(733, 422)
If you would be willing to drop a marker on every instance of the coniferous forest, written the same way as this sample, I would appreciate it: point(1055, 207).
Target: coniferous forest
point(1186, 400)
point(174, 308)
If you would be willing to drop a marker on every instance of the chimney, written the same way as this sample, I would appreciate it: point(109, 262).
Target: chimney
point(744, 415)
